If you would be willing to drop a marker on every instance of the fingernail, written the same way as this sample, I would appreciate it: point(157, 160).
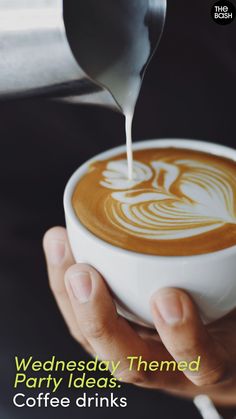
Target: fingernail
point(169, 307)
point(81, 285)
point(56, 251)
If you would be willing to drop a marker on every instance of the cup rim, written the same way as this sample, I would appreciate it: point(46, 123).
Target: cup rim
point(198, 145)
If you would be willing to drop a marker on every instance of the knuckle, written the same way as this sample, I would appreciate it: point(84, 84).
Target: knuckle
point(75, 335)
point(190, 347)
point(131, 377)
point(211, 377)
point(97, 329)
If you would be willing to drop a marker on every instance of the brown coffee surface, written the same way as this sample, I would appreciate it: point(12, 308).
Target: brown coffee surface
point(179, 202)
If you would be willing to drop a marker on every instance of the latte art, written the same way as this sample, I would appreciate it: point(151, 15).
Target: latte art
point(177, 202)
point(204, 202)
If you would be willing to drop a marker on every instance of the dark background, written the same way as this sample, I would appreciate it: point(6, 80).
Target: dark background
point(188, 92)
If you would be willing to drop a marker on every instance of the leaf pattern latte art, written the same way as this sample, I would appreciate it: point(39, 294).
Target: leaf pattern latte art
point(166, 201)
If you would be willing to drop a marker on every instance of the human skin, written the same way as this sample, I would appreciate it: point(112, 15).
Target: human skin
point(90, 314)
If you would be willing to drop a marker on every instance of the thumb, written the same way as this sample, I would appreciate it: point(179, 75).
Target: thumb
point(182, 332)
point(110, 336)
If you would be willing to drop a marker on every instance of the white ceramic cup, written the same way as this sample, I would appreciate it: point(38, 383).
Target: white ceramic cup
point(133, 277)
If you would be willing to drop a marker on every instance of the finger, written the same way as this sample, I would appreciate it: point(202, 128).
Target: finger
point(59, 258)
point(177, 321)
point(145, 332)
point(110, 335)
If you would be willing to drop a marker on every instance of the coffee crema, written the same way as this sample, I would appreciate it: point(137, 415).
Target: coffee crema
point(179, 202)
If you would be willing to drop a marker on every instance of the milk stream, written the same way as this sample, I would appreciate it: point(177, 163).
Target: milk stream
point(129, 148)
point(123, 77)
point(112, 42)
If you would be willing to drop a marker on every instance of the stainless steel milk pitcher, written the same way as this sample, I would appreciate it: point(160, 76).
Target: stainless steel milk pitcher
point(59, 48)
